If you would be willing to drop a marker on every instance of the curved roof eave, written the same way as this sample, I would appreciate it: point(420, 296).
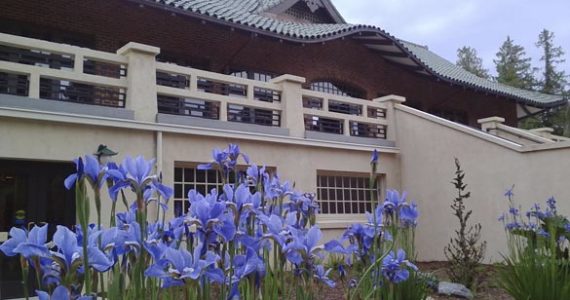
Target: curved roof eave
point(348, 31)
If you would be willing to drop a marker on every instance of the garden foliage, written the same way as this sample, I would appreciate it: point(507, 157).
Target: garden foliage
point(537, 265)
point(464, 251)
point(256, 238)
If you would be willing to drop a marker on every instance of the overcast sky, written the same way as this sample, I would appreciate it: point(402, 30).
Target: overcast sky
point(445, 25)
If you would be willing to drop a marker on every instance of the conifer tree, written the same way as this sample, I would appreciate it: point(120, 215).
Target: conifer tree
point(464, 251)
point(553, 81)
point(467, 59)
point(513, 66)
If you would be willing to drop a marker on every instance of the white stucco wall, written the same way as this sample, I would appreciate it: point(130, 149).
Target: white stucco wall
point(428, 148)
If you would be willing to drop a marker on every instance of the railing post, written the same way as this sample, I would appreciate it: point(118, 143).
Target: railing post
point(292, 116)
point(141, 79)
point(223, 111)
point(490, 125)
point(34, 86)
point(390, 101)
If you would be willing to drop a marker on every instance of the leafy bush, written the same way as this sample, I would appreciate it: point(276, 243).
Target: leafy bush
point(464, 252)
point(537, 265)
point(254, 239)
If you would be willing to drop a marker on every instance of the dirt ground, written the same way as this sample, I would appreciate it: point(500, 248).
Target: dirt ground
point(487, 289)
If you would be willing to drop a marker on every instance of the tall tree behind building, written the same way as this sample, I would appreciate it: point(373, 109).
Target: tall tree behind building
point(513, 66)
point(554, 81)
point(468, 59)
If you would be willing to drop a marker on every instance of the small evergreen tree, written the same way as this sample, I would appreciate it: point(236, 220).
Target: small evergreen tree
point(513, 67)
point(464, 251)
point(467, 59)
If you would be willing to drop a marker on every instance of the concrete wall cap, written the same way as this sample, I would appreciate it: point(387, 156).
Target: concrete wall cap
point(137, 47)
point(543, 129)
point(390, 98)
point(288, 77)
point(491, 119)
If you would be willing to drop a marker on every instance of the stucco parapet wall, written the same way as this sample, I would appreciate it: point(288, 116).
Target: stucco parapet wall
point(348, 139)
point(12, 101)
point(89, 120)
point(482, 135)
point(200, 122)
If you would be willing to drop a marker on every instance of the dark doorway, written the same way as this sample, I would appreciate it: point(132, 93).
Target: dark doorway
point(30, 193)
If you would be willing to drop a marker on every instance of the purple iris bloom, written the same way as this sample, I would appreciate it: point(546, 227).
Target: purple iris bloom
point(393, 201)
point(409, 214)
point(374, 158)
point(210, 215)
point(89, 168)
point(27, 244)
point(376, 218)
point(59, 293)
point(179, 265)
point(303, 245)
point(394, 266)
point(225, 159)
point(68, 251)
point(323, 275)
point(509, 193)
point(551, 203)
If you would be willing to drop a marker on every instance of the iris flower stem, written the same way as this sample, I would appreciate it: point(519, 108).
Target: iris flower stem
point(25, 270)
point(83, 216)
point(38, 273)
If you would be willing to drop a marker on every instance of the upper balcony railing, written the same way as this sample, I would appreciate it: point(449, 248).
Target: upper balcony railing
point(152, 91)
point(45, 70)
point(202, 94)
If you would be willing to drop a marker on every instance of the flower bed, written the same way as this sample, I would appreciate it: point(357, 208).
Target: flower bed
point(256, 238)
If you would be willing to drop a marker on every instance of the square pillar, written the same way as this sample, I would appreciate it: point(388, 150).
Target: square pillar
point(141, 79)
point(390, 101)
point(292, 116)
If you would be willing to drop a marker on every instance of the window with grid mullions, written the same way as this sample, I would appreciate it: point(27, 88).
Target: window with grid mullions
point(188, 178)
point(345, 194)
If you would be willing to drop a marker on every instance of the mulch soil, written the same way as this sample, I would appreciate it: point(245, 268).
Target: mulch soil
point(487, 288)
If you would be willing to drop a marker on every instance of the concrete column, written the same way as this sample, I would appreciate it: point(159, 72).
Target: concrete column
point(141, 78)
point(490, 125)
point(292, 116)
point(390, 101)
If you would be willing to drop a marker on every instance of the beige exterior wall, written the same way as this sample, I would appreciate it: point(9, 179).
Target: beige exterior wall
point(428, 148)
point(52, 140)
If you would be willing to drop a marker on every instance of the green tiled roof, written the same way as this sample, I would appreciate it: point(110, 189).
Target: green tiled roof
point(250, 14)
point(459, 75)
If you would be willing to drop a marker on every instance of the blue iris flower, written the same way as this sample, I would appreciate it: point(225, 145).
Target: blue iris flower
point(26, 244)
point(323, 275)
point(409, 214)
point(393, 201)
point(374, 158)
point(68, 252)
point(210, 215)
point(303, 246)
point(59, 293)
point(394, 266)
point(225, 159)
point(179, 265)
point(89, 168)
point(376, 218)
